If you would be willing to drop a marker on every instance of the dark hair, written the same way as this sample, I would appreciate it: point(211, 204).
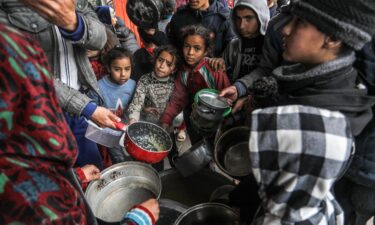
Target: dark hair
point(202, 31)
point(169, 6)
point(171, 50)
point(117, 52)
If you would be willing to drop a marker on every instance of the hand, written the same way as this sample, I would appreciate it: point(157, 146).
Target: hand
point(91, 172)
point(104, 117)
point(153, 206)
point(151, 110)
point(217, 64)
point(59, 12)
point(240, 104)
point(229, 93)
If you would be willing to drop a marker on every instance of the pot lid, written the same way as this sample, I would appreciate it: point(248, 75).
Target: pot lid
point(212, 99)
point(145, 13)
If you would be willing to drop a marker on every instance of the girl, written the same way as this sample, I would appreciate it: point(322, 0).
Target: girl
point(195, 75)
point(116, 89)
point(154, 89)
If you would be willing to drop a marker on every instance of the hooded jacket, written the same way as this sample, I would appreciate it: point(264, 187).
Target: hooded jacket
point(297, 153)
point(232, 54)
point(215, 18)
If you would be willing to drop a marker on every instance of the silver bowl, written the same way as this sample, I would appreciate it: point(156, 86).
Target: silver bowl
point(209, 214)
point(122, 186)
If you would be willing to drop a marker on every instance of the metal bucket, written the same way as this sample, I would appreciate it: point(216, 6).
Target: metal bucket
point(122, 186)
point(169, 211)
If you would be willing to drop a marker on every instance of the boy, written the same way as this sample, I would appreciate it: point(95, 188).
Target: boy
point(296, 154)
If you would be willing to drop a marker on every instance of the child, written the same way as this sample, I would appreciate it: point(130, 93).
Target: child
point(195, 75)
point(296, 154)
point(116, 89)
point(154, 89)
point(321, 38)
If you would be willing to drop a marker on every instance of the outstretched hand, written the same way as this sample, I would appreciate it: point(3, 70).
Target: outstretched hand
point(91, 172)
point(104, 117)
point(59, 12)
point(229, 93)
point(153, 206)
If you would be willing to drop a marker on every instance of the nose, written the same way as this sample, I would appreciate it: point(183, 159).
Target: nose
point(242, 24)
point(190, 50)
point(287, 29)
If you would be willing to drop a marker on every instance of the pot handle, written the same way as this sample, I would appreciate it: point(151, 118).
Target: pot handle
point(120, 125)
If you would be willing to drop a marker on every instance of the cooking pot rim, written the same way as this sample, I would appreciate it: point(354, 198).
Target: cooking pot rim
point(159, 127)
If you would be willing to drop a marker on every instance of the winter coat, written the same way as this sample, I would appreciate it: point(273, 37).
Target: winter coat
point(216, 18)
point(15, 14)
point(188, 83)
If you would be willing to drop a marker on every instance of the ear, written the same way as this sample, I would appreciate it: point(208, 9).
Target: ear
point(332, 43)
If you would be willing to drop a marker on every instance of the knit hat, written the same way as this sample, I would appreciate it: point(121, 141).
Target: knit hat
point(351, 21)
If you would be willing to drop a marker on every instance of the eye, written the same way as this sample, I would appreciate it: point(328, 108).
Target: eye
point(197, 48)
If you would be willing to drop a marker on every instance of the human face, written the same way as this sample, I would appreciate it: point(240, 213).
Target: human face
point(303, 42)
point(246, 22)
point(120, 70)
point(199, 4)
point(165, 65)
point(194, 49)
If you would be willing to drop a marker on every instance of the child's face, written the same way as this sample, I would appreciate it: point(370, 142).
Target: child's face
point(199, 4)
point(120, 70)
point(246, 22)
point(165, 65)
point(194, 49)
point(303, 42)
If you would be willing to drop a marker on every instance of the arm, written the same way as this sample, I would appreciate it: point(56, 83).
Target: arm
point(177, 102)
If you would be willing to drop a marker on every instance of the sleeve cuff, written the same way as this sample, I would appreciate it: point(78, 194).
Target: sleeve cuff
point(241, 89)
point(77, 34)
point(140, 215)
point(89, 110)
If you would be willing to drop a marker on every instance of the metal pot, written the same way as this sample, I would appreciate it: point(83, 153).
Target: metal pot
point(147, 142)
point(193, 159)
point(232, 152)
point(122, 186)
point(169, 211)
point(209, 214)
point(191, 190)
point(144, 13)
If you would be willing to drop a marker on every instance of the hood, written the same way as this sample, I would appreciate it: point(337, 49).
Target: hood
point(297, 153)
point(261, 10)
point(105, 14)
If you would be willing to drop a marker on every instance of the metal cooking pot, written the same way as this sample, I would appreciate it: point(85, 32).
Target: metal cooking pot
point(191, 190)
point(122, 186)
point(169, 211)
point(232, 152)
point(147, 142)
point(194, 159)
point(144, 13)
point(209, 214)
point(144, 141)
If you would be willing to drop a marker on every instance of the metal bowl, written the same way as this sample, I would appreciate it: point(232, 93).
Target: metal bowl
point(122, 186)
point(209, 214)
point(191, 190)
point(232, 152)
point(213, 100)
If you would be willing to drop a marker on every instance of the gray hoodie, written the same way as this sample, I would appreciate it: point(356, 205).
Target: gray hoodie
point(231, 55)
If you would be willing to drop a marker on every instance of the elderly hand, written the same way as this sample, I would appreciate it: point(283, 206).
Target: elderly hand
point(59, 12)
